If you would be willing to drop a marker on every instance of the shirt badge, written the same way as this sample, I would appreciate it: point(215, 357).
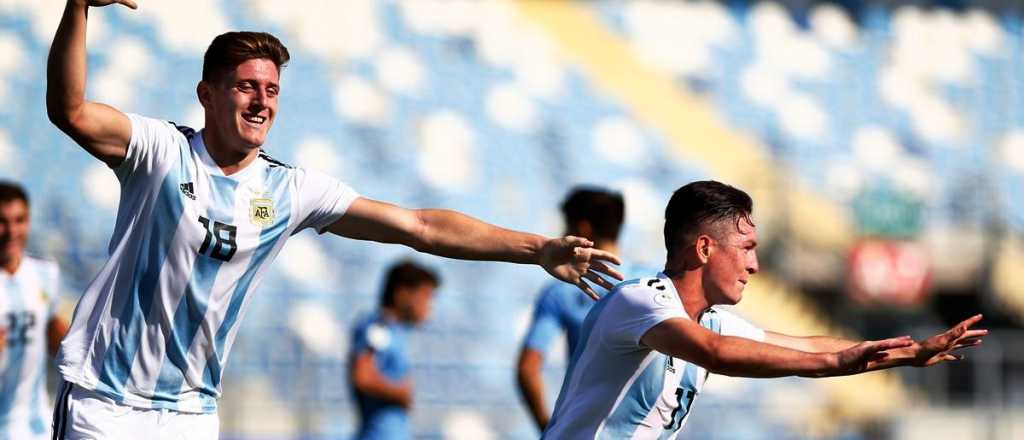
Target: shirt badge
point(261, 211)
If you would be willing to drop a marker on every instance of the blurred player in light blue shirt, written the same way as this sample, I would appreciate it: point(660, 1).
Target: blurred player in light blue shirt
point(591, 212)
point(379, 368)
point(29, 325)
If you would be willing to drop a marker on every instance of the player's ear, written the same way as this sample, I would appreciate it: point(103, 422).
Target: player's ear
point(204, 93)
point(703, 248)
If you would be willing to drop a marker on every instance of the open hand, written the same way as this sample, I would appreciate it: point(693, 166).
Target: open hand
point(858, 358)
point(574, 260)
point(939, 348)
point(100, 3)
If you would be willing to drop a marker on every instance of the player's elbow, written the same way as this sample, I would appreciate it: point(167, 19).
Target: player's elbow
point(418, 232)
point(64, 116)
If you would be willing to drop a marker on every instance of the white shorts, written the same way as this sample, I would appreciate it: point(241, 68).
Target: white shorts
point(81, 414)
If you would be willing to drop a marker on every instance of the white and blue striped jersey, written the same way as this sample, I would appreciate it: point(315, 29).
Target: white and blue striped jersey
point(154, 328)
point(28, 299)
point(617, 388)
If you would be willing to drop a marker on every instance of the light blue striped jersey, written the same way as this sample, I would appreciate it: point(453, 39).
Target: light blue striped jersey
point(561, 307)
point(28, 299)
point(154, 328)
point(617, 388)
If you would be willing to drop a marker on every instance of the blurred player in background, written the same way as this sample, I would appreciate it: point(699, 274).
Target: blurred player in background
point(201, 217)
point(379, 367)
point(648, 346)
point(590, 212)
point(29, 325)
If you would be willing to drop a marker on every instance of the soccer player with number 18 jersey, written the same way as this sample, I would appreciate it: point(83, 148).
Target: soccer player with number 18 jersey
point(201, 217)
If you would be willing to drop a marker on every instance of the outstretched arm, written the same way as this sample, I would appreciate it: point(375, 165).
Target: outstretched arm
point(100, 129)
point(735, 356)
point(456, 235)
point(938, 348)
point(810, 344)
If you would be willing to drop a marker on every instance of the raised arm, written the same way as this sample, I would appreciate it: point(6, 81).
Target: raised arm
point(735, 356)
point(100, 129)
point(455, 235)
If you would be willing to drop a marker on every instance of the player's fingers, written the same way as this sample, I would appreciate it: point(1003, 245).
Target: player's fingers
point(586, 289)
point(602, 255)
point(599, 280)
point(970, 334)
point(966, 344)
point(606, 269)
point(129, 3)
point(575, 241)
point(971, 321)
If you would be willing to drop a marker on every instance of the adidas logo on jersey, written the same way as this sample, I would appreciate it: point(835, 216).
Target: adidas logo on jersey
point(187, 189)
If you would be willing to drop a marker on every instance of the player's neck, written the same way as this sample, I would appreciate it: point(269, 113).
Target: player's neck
point(609, 246)
point(388, 314)
point(690, 287)
point(10, 265)
point(229, 160)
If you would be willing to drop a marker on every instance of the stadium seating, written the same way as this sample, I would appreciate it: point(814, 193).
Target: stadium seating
point(486, 108)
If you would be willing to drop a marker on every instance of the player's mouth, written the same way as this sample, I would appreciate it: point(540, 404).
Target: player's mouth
point(255, 120)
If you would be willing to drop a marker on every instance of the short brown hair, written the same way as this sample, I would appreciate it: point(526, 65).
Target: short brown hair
point(698, 204)
point(230, 49)
point(405, 274)
point(10, 191)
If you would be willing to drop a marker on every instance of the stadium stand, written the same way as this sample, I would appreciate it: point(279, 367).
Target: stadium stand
point(495, 108)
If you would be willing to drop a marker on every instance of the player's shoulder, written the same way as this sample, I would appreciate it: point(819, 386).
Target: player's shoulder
point(642, 295)
point(642, 285)
point(41, 265)
point(167, 127)
point(278, 165)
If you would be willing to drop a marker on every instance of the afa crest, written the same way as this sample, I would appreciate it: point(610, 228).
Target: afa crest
point(261, 211)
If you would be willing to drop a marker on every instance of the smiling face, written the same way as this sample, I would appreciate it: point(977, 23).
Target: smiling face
point(241, 106)
point(731, 260)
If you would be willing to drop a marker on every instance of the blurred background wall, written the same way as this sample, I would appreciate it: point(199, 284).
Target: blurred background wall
point(883, 142)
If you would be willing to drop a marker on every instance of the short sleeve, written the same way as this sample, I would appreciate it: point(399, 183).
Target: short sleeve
point(151, 141)
point(322, 199)
point(637, 307)
point(733, 325)
point(545, 325)
point(371, 337)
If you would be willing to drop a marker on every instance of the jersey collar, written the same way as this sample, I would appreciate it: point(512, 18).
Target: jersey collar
point(199, 145)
